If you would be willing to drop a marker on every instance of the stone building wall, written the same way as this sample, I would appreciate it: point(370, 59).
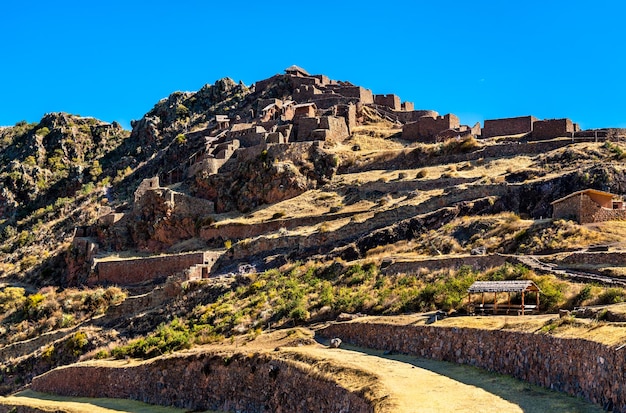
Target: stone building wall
point(391, 101)
point(609, 258)
point(407, 106)
point(427, 128)
point(365, 96)
point(578, 367)
point(508, 126)
point(477, 262)
point(321, 128)
point(137, 270)
point(145, 185)
point(585, 210)
point(254, 383)
point(348, 112)
point(414, 115)
point(552, 128)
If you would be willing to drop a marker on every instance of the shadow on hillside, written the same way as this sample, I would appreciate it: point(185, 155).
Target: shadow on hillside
point(530, 398)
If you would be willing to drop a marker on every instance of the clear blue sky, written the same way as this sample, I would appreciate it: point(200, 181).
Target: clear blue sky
point(478, 59)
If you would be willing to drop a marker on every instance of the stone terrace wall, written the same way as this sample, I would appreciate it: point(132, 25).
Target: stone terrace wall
point(415, 159)
point(242, 383)
point(132, 271)
point(435, 264)
point(578, 367)
point(610, 258)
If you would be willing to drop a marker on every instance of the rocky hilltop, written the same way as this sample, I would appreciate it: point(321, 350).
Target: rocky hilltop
point(296, 200)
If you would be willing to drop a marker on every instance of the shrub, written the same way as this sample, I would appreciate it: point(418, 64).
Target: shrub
point(612, 296)
point(42, 132)
point(166, 339)
point(182, 112)
point(181, 139)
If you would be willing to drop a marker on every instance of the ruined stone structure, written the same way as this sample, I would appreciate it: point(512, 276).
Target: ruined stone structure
point(180, 204)
point(588, 206)
point(553, 128)
point(145, 185)
point(427, 128)
point(391, 101)
point(138, 270)
point(247, 134)
point(303, 110)
point(508, 126)
point(321, 128)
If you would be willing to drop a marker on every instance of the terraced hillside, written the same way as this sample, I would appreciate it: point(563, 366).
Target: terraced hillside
point(214, 233)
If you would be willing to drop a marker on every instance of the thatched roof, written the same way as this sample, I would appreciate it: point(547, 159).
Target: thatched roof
point(516, 286)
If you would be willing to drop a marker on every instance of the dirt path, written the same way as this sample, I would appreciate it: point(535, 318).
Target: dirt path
point(418, 385)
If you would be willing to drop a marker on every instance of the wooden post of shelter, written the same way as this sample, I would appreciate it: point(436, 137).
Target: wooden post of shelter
point(537, 300)
point(495, 302)
point(508, 301)
point(522, 302)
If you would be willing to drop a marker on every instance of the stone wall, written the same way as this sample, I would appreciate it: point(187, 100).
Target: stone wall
point(391, 101)
point(407, 106)
point(244, 383)
point(508, 126)
point(579, 367)
point(585, 210)
point(137, 270)
point(414, 115)
point(332, 127)
point(348, 112)
point(608, 258)
point(552, 128)
point(364, 95)
point(145, 185)
point(427, 128)
point(477, 262)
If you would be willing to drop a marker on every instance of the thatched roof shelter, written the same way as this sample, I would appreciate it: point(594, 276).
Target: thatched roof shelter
point(515, 286)
point(495, 287)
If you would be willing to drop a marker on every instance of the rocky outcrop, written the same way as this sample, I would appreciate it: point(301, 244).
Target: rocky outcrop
point(266, 175)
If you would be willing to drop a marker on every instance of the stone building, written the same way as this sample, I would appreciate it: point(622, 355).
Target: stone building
point(321, 128)
point(427, 128)
point(553, 128)
point(508, 126)
point(307, 110)
point(589, 205)
point(390, 101)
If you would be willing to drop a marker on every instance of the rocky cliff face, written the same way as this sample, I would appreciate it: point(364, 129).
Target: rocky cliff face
point(269, 176)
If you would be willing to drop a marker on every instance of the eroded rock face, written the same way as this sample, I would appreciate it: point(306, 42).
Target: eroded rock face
point(274, 174)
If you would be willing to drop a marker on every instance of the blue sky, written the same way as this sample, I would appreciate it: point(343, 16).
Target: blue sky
point(478, 59)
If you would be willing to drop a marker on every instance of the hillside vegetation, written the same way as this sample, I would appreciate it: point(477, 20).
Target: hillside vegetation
point(307, 233)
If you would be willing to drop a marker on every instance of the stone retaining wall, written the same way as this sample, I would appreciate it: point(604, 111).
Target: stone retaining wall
point(137, 270)
point(477, 262)
point(579, 367)
point(611, 258)
point(241, 383)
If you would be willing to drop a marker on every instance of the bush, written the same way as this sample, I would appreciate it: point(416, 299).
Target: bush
point(182, 112)
point(181, 139)
point(166, 339)
point(612, 296)
point(42, 132)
